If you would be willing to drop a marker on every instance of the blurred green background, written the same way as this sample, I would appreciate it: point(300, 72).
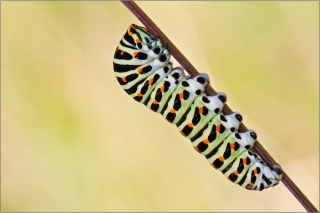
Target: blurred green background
point(72, 140)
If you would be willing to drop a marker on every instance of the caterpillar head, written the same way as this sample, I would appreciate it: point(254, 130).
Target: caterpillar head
point(140, 37)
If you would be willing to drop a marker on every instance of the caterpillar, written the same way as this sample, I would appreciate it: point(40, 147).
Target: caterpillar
point(142, 67)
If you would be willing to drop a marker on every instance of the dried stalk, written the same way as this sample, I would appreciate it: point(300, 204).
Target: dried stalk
point(258, 148)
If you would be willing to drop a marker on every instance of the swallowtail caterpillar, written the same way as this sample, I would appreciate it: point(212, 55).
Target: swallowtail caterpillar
point(142, 67)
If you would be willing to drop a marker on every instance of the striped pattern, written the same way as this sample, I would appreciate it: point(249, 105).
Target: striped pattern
point(141, 66)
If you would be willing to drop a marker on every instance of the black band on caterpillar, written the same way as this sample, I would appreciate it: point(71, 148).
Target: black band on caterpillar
point(142, 68)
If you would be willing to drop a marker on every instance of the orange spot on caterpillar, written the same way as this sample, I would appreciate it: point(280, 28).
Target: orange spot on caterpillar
point(212, 165)
point(162, 89)
point(221, 158)
point(218, 128)
point(190, 124)
point(124, 79)
point(122, 53)
point(229, 179)
point(196, 148)
point(135, 53)
point(139, 94)
point(232, 145)
point(172, 111)
point(139, 70)
point(129, 30)
point(181, 96)
point(206, 141)
point(244, 161)
point(250, 183)
point(236, 173)
point(255, 171)
point(155, 102)
point(138, 40)
point(200, 110)
point(182, 133)
point(150, 81)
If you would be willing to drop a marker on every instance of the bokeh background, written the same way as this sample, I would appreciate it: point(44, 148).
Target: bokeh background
point(72, 140)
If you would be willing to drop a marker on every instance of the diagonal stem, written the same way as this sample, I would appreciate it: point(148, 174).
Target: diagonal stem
point(258, 148)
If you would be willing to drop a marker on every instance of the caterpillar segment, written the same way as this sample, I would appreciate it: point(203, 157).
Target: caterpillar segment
point(203, 109)
point(237, 169)
point(215, 132)
point(182, 97)
point(259, 176)
point(142, 67)
point(143, 89)
point(162, 91)
point(229, 149)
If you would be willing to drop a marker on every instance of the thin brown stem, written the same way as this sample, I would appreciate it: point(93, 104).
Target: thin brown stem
point(152, 27)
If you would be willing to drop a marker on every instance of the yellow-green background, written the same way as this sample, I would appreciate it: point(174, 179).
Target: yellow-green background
point(72, 140)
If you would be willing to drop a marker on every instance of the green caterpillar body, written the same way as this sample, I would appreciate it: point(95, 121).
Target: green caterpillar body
point(142, 68)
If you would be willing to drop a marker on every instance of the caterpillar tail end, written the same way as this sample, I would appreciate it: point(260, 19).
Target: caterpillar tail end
point(277, 169)
point(273, 174)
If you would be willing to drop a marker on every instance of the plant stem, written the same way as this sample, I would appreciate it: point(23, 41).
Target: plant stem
point(258, 148)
